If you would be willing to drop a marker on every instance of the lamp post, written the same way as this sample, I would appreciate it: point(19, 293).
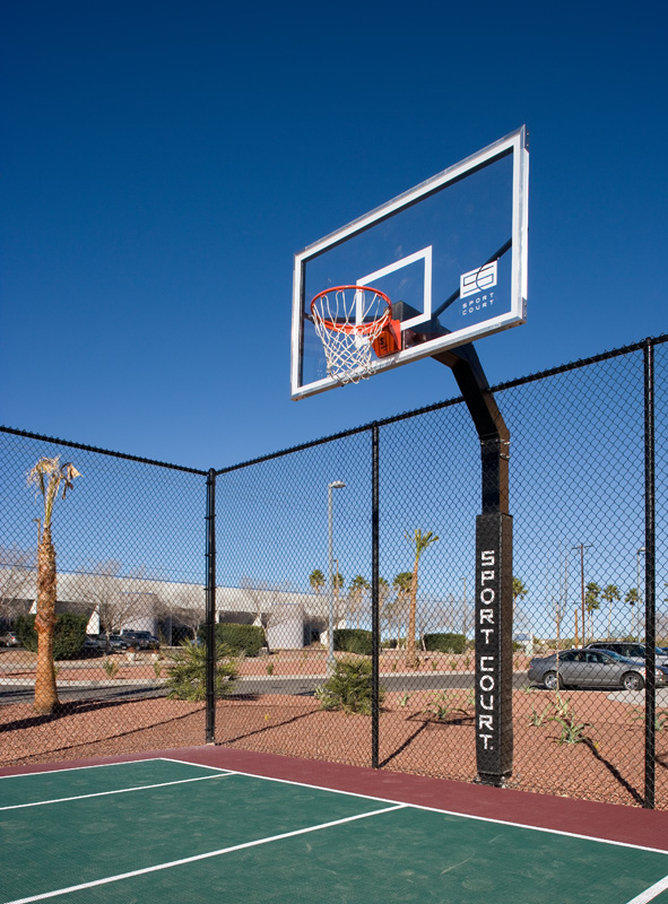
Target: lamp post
point(640, 593)
point(334, 485)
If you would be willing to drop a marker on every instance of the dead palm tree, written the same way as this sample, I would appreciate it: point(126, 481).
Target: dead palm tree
point(47, 476)
point(419, 541)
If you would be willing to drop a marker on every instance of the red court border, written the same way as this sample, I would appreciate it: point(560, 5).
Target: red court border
point(613, 822)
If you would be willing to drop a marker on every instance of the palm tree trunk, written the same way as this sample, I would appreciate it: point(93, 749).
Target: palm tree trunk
point(46, 696)
point(411, 658)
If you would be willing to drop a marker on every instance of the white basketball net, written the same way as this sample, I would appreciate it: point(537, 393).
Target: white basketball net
point(348, 319)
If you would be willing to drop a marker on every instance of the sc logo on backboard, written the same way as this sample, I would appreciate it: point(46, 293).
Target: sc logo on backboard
point(478, 280)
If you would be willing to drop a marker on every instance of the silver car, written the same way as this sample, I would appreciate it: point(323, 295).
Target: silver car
point(589, 668)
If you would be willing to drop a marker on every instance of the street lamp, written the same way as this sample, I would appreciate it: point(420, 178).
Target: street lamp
point(334, 485)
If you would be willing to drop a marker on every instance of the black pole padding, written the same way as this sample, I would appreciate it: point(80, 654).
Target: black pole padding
point(494, 573)
point(375, 611)
point(650, 578)
point(210, 602)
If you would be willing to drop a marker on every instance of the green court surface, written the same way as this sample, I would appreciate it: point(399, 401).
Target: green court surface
point(177, 833)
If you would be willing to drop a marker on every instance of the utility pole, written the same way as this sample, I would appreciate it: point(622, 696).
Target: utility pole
point(581, 547)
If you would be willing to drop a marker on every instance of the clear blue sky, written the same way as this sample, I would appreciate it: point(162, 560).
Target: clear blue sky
point(161, 163)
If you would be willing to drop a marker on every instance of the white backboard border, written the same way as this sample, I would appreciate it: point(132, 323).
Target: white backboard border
point(515, 143)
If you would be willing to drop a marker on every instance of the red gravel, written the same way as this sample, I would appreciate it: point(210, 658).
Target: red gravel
point(608, 766)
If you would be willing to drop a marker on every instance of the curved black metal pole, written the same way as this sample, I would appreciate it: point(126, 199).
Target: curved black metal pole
point(494, 573)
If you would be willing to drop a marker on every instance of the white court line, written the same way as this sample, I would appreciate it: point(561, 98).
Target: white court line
point(228, 850)
point(60, 800)
point(152, 759)
point(650, 893)
point(503, 822)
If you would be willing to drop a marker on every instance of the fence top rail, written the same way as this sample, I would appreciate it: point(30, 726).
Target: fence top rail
point(352, 431)
point(87, 448)
point(446, 403)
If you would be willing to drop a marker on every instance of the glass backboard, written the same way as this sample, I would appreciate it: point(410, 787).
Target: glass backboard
point(451, 254)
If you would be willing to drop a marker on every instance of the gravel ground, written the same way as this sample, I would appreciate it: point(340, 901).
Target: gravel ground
point(607, 765)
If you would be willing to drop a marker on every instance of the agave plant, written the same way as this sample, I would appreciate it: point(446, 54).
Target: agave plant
point(50, 479)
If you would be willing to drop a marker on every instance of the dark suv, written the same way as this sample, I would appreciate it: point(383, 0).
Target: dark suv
point(143, 640)
point(629, 649)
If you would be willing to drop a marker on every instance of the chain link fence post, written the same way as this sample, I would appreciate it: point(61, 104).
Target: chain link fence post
point(375, 614)
point(650, 574)
point(210, 557)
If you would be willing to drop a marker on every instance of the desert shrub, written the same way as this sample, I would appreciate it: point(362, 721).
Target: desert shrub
point(349, 688)
point(68, 637)
point(110, 667)
point(353, 640)
point(445, 643)
point(186, 678)
point(246, 639)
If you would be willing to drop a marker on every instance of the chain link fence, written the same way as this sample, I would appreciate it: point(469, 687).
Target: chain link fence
point(295, 636)
point(128, 540)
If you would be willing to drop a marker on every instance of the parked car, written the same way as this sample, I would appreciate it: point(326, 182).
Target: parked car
point(117, 643)
point(143, 640)
point(113, 643)
point(92, 646)
point(9, 640)
point(629, 649)
point(590, 668)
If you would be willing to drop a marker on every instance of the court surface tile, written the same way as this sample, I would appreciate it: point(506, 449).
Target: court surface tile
point(173, 832)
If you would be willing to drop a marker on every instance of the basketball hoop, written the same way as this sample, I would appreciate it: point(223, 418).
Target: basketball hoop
point(352, 323)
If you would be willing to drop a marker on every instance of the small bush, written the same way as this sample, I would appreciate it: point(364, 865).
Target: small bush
point(246, 639)
point(353, 640)
point(443, 705)
point(349, 688)
point(187, 677)
point(68, 636)
point(110, 667)
point(572, 732)
point(445, 643)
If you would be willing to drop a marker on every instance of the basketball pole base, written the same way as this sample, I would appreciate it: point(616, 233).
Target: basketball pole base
point(494, 574)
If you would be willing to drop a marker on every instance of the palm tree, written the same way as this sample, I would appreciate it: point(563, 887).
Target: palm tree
point(519, 590)
point(316, 580)
point(384, 604)
point(592, 603)
point(609, 594)
point(47, 476)
point(419, 541)
point(632, 598)
point(402, 583)
point(356, 594)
